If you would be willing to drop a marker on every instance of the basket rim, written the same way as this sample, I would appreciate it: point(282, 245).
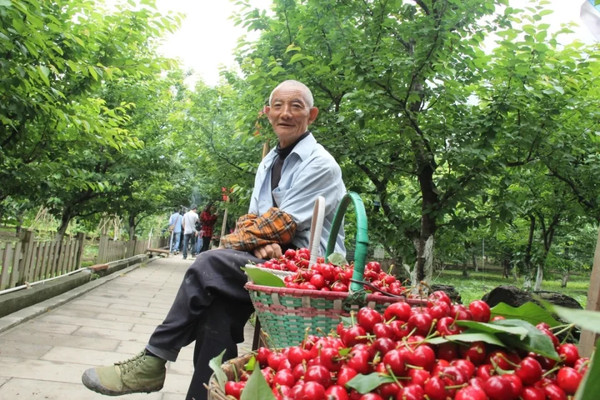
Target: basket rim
point(329, 295)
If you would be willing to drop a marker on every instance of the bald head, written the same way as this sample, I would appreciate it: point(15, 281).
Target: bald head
point(292, 84)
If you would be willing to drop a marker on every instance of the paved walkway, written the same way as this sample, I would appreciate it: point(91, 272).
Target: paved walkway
point(47, 347)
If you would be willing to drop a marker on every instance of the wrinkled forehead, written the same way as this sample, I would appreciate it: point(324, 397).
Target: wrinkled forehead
point(289, 94)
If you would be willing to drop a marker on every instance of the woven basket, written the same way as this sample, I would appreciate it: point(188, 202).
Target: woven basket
point(286, 315)
point(215, 392)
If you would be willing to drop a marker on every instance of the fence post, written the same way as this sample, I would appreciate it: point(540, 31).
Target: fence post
point(25, 262)
point(80, 246)
point(588, 338)
point(102, 249)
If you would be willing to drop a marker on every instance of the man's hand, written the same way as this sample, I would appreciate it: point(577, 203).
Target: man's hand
point(268, 251)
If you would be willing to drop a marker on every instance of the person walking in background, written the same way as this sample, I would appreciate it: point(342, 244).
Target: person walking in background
point(189, 231)
point(208, 217)
point(175, 228)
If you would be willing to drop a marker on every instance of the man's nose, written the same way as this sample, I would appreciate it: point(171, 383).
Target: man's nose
point(286, 110)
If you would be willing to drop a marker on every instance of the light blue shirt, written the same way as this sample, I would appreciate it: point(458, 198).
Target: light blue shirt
point(175, 219)
point(308, 171)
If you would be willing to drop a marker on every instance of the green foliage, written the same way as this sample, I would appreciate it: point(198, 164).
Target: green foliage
point(450, 140)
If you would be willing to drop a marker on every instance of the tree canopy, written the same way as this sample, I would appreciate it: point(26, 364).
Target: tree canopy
point(448, 139)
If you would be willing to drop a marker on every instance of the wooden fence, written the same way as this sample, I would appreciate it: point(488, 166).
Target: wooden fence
point(112, 250)
point(27, 260)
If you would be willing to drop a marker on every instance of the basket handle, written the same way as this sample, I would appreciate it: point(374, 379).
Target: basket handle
point(316, 229)
point(362, 238)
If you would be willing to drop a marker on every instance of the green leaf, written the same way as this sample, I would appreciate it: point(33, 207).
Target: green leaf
point(535, 340)
point(590, 384)
point(585, 319)
point(468, 337)
point(257, 387)
point(529, 312)
point(521, 332)
point(43, 72)
point(367, 383)
point(262, 277)
point(215, 364)
point(337, 259)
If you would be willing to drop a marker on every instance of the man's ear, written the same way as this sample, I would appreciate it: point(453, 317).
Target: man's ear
point(312, 115)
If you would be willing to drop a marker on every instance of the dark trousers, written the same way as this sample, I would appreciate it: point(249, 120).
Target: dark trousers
point(189, 239)
point(211, 307)
point(205, 243)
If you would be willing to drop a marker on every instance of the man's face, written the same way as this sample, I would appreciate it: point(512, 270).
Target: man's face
point(289, 114)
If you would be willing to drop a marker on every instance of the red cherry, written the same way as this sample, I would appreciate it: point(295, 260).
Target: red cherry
point(370, 396)
point(353, 335)
point(399, 310)
point(529, 370)
point(262, 355)
point(388, 390)
point(345, 375)
point(318, 373)
point(411, 392)
point(475, 352)
point(533, 393)
point(330, 358)
point(515, 383)
point(554, 392)
point(480, 311)
point(439, 310)
point(284, 377)
point(234, 389)
point(447, 351)
point(465, 366)
point(422, 356)
point(421, 322)
point(568, 379)
point(581, 365)
point(311, 391)
point(485, 371)
point(437, 296)
point(446, 326)
point(435, 388)
point(367, 318)
point(336, 392)
point(569, 353)
point(418, 376)
point(395, 361)
point(497, 388)
point(470, 393)
point(290, 254)
point(382, 329)
point(359, 361)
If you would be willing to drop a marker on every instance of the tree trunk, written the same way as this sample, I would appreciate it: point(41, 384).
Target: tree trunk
point(565, 279)
point(132, 226)
point(527, 259)
point(64, 224)
point(475, 266)
point(539, 277)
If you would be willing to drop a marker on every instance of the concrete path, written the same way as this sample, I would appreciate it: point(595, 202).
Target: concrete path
point(45, 348)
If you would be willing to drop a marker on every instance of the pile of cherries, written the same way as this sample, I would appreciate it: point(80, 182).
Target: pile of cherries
point(394, 345)
point(326, 276)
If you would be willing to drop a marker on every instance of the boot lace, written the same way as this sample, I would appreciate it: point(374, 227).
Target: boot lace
point(132, 363)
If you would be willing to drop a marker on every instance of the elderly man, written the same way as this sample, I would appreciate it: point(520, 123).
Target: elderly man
point(212, 305)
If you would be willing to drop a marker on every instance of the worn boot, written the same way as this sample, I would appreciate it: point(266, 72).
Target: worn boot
point(142, 373)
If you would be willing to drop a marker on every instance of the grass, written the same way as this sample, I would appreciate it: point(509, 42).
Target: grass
point(480, 283)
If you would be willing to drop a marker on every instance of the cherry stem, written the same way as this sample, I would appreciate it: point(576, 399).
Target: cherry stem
point(391, 373)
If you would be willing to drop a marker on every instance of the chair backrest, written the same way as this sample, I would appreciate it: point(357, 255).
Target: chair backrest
point(316, 229)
